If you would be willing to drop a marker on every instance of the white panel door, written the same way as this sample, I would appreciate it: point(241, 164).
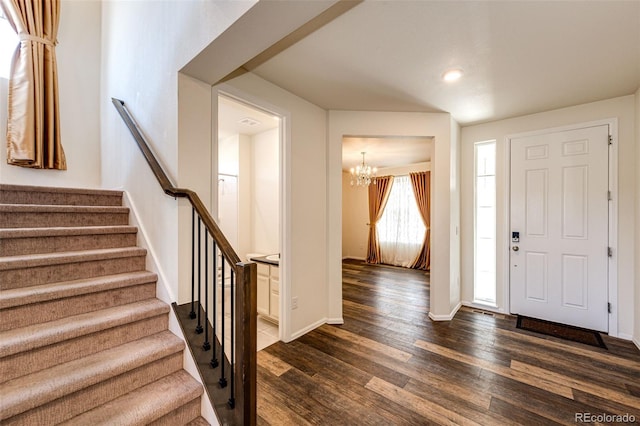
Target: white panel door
point(559, 213)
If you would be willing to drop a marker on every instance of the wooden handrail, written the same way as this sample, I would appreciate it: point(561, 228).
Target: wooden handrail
point(245, 368)
point(169, 189)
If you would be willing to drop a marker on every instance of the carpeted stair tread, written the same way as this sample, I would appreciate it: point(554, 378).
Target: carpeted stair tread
point(145, 404)
point(21, 241)
point(33, 390)
point(83, 338)
point(42, 293)
point(31, 337)
point(49, 215)
point(48, 268)
point(48, 259)
point(47, 356)
point(21, 194)
point(52, 208)
point(58, 190)
point(60, 231)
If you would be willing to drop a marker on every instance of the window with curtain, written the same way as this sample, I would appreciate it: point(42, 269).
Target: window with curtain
point(401, 229)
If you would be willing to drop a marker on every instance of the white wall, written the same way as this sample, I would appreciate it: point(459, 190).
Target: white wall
point(444, 192)
point(623, 109)
point(195, 171)
point(303, 265)
point(245, 191)
point(454, 224)
point(265, 194)
point(78, 55)
point(355, 210)
point(229, 155)
point(143, 47)
point(636, 328)
point(256, 161)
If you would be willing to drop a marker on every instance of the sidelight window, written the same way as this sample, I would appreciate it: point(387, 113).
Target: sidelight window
point(484, 288)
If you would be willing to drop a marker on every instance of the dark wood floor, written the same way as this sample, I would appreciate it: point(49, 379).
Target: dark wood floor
point(389, 364)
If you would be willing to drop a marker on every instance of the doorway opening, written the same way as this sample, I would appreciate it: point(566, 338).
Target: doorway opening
point(399, 218)
point(247, 194)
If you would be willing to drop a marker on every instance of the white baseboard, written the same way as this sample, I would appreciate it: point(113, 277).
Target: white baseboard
point(307, 329)
point(335, 321)
point(447, 317)
point(623, 336)
point(637, 342)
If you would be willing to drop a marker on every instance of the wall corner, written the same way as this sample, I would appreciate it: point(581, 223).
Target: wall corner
point(636, 327)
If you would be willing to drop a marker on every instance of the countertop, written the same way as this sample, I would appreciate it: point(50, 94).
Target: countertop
point(263, 259)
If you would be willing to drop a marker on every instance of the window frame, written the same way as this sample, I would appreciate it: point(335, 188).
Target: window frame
point(476, 300)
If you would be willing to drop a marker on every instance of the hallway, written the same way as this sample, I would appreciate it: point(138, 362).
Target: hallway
point(390, 364)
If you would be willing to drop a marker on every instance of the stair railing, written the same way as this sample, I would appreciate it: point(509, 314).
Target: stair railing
point(237, 358)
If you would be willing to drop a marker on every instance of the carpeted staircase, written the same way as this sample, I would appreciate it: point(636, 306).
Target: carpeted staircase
point(83, 339)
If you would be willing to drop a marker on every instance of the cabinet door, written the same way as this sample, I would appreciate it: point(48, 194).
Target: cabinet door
point(263, 294)
point(263, 269)
point(274, 272)
point(275, 285)
point(275, 305)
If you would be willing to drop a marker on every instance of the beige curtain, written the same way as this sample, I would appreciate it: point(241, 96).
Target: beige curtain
point(378, 196)
point(33, 125)
point(421, 184)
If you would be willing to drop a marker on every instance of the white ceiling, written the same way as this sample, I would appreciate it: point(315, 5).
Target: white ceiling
point(519, 57)
point(232, 115)
point(384, 152)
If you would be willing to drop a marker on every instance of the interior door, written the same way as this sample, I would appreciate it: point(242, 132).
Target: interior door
point(559, 227)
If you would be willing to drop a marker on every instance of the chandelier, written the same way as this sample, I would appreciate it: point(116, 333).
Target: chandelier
point(363, 175)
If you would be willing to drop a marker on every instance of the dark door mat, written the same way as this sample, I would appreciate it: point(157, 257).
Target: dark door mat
point(562, 331)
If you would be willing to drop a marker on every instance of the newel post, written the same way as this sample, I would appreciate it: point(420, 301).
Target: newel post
point(246, 335)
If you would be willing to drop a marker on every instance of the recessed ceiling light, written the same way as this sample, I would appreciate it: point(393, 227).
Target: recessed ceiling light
point(452, 75)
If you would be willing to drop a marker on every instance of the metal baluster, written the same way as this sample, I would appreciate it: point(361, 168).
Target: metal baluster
point(214, 361)
point(223, 380)
point(232, 358)
point(206, 346)
point(199, 326)
point(192, 314)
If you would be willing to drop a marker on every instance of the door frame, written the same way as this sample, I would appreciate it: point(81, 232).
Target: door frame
point(612, 264)
point(228, 91)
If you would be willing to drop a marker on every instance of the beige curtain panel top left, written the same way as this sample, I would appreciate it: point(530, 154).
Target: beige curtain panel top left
point(33, 122)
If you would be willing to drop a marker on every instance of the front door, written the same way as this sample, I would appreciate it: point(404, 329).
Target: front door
point(559, 227)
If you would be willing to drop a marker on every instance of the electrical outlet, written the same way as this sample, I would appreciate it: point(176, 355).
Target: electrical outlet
point(294, 302)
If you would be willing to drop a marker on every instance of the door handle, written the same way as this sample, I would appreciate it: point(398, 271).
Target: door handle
point(515, 248)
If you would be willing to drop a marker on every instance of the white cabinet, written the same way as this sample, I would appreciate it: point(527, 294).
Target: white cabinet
point(263, 289)
point(274, 286)
point(268, 284)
